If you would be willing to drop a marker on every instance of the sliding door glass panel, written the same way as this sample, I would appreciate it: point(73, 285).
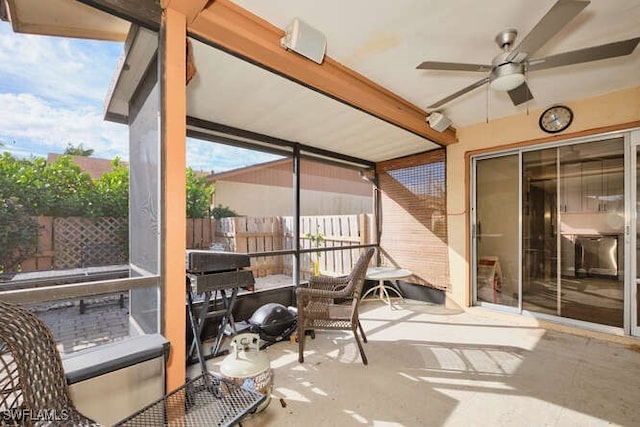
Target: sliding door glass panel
point(591, 217)
point(540, 289)
point(571, 232)
point(497, 230)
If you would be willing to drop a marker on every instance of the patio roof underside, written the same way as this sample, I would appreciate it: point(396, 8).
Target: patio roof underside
point(257, 95)
point(252, 98)
point(230, 93)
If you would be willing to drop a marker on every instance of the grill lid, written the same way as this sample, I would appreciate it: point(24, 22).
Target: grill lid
point(201, 261)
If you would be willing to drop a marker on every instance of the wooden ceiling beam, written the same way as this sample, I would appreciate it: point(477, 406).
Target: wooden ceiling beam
point(189, 8)
point(237, 30)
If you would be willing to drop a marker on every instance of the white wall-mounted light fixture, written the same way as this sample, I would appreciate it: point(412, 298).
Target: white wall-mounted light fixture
point(301, 38)
point(438, 121)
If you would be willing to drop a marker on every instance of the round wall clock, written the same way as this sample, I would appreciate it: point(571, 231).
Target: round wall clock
point(556, 119)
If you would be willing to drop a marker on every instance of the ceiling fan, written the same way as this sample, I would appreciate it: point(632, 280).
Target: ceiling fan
point(507, 70)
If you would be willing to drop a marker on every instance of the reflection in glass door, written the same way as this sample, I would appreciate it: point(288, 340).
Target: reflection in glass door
point(540, 289)
point(549, 232)
point(496, 230)
point(573, 223)
point(592, 230)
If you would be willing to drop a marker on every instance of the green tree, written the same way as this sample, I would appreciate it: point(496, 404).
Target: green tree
point(10, 169)
point(22, 179)
point(199, 193)
point(55, 189)
point(61, 189)
point(67, 189)
point(111, 192)
point(18, 234)
point(79, 150)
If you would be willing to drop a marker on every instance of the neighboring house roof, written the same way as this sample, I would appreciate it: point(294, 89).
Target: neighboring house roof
point(314, 176)
point(93, 166)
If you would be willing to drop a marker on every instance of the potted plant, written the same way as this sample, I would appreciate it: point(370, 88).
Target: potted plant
point(316, 240)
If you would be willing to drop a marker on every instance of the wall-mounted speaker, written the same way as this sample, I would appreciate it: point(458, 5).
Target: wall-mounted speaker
point(438, 121)
point(300, 37)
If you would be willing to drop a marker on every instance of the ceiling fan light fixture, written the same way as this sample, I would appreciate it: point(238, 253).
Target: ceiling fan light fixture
point(506, 77)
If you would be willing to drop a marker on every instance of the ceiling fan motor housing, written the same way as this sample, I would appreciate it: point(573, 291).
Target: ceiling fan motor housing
point(504, 39)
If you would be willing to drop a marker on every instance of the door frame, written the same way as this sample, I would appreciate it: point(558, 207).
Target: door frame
point(631, 233)
point(474, 227)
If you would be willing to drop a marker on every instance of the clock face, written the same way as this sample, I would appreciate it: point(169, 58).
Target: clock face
point(556, 119)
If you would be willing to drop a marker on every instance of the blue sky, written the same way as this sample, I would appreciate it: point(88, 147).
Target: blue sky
point(52, 92)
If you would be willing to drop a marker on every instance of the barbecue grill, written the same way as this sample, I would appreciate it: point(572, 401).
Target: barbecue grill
point(210, 273)
point(207, 399)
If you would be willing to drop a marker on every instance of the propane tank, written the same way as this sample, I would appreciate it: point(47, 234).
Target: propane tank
point(249, 367)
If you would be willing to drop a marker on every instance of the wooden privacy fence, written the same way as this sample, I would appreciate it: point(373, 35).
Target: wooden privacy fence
point(251, 235)
point(336, 231)
point(76, 242)
point(264, 234)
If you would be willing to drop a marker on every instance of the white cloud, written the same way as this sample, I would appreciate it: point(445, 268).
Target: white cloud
point(60, 69)
point(34, 126)
point(28, 119)
point(51, 94)
point(52, 91)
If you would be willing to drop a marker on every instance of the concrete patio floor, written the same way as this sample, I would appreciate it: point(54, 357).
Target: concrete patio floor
point(432, 366)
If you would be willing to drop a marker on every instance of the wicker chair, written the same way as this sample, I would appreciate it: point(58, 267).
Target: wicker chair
point(33, 387)
point(332, 303)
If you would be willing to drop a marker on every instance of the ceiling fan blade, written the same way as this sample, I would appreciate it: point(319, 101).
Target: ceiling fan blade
point(556, 18)
point(453, 66)
point(594, 53)
point(521, 94)
point(459, 93)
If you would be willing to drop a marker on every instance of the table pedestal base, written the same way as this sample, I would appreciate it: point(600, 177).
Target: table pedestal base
point(383, 293)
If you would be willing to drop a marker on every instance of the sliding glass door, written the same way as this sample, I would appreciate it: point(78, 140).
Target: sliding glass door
point(549, 231)
point(496, 230)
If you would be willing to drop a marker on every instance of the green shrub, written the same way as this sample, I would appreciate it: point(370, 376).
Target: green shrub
point(18, 235)
point(199, 193)
point(223, 212)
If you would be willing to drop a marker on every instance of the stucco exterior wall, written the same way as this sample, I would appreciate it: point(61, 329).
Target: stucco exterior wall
point(266, 200)
point(599, 113)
